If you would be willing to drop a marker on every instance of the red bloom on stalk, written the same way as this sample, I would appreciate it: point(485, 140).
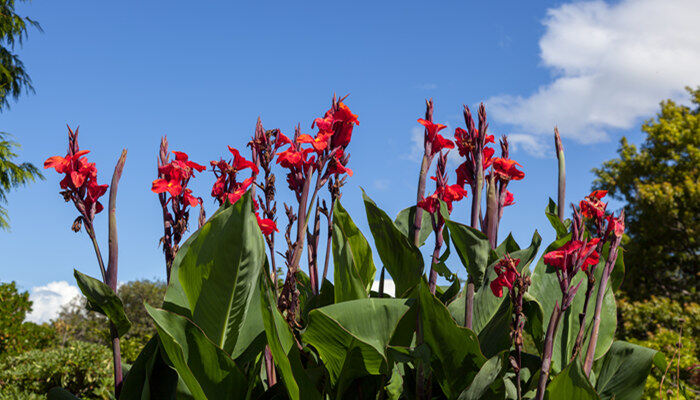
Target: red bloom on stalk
point(338, 124)
point(267, 226)
point(174, 177)
point(240, 163)
point(616, 226)
point(569, 254)
point(466, 141)
point(80, 181)
point(336, 165)
point(592, 207)
point(506, 169)
point(319, 143)
point(507, 273)
point(448, 194)
point(438, 142)
point(465, 173)
point(509, 200)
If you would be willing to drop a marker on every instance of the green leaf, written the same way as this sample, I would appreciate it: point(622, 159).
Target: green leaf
point(473, 249)
point(488, 383)
point(402, 259)
point(404, 222)
point(495, 335)
point(284, 348)
point(454, 350)
point(509, 245)
point(623, 372)
point(215, 273)
point(251, 339)
point(545, 288)
point(571, 384)
point(150, 377)
point(561, 228)
point(59, 393)
point(206, 369)
point(359, 328)
point(354, 268)
point(102, 299)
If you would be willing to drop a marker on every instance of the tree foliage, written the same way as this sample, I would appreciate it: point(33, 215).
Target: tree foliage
point(14, 78)
point(660, 184)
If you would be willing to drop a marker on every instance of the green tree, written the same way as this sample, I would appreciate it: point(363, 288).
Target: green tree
point(76, 323)
point(660, 184)
point(17, 336)
point(14, 80)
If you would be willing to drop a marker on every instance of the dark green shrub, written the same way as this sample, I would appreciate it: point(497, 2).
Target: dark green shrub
point(85, 369)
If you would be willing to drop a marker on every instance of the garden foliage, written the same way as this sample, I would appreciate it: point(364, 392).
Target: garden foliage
point(235, 325)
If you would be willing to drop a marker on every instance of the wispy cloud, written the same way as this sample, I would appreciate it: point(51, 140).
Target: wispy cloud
point(389, 287)
point(48, 300)
point(426, 86)
point(611, 65)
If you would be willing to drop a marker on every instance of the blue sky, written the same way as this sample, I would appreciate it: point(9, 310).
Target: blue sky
point(128, 72)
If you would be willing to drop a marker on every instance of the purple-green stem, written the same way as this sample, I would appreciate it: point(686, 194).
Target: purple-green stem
point(609, 265)
point(329, 240)
point(547, 354)
point(561, 194)
point(492, 212)
point(435, 259)
point(112, 267)
point(477, 190)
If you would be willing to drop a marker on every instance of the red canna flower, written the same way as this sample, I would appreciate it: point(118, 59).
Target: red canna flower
point(267, 226)
point(506, 170)
point(319, 143)
point(592, 207)
point(337, 166)
point(432, 136)
point(171, 186)
point(80, 181)
point(240, 163)
point(616, 226)
point(338, 123)
point(226, 187)
point(507, 273)
point(567, 256)
point(509, 200)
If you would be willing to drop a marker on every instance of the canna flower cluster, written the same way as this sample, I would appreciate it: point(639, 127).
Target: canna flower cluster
point(507, 274)
point(228, 189)
point(443, 192)
point(173, 178)
point(171, 188)
point(574, 254)
point(471, 144)
point(80, 182)
point(505, 170)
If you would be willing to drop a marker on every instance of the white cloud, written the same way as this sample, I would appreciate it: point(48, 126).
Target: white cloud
point(612, 64)
point(48, 300)
point(389, 287)
point(531, 144)
point(417, 146)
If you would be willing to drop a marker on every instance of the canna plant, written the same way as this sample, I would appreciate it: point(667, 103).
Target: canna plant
point(245, 318)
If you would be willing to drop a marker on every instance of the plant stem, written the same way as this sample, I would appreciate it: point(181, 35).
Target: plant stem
point(582, 317)
point(329, 241)
point(547, 354)
point(609, 265)
point(91, 233)
point(112, 268)
point(492, 212)
point(381, 283)
point(561, 198)
point(436, 259)
point(270, 368)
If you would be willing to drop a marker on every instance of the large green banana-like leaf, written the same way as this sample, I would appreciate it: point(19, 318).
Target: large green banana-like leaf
point(560, 227)
point(571, 384)
point(207, 370)
point(284, 348)
point(404, 221)
point(545, 288)
point(150, 378)
point(101, 298)
point(401, 258)
point(488, 382)
point(352, 258)
point(622, 373)
point(454, 350)
point(473, 249)
point(359, 328)
point(215, 273)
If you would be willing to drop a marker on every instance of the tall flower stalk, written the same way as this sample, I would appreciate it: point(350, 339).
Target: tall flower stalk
point(175, 198)
point(509, 277)
point(566, 261)
point(471, 144)
point(81, 188)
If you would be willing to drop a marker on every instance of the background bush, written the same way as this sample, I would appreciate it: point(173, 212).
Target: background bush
point(85, 369)
point(655, 323)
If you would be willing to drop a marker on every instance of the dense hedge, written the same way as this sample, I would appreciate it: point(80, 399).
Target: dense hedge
point(83, 368)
